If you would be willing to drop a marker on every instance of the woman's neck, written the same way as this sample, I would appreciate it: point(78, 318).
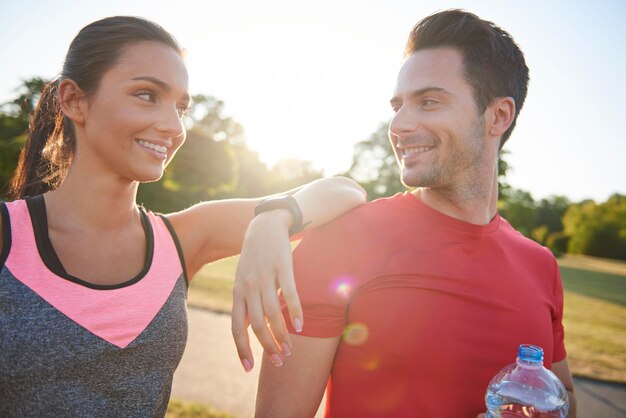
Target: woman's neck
point(94, 202)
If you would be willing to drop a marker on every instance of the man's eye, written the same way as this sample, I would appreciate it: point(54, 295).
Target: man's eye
point(428, 102)
point(182, 111)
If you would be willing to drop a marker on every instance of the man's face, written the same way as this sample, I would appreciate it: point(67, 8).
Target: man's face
point(437, 134)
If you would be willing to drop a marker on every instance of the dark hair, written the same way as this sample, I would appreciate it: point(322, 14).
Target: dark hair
point(494, 65)
point(51, 142)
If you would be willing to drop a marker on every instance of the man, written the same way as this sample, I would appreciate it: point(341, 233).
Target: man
point(414, 302)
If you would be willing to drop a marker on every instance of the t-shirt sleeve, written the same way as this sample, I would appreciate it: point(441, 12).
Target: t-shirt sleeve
point(323, 280)
point(558, 331)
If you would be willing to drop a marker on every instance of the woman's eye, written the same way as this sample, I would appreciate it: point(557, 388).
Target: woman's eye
point(148, 96)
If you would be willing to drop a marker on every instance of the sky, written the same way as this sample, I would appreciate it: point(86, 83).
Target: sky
point(309, 80)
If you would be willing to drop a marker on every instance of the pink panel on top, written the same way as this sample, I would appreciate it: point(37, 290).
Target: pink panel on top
point(117, 315)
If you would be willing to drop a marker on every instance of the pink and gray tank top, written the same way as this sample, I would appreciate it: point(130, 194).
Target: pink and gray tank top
point(72, 348)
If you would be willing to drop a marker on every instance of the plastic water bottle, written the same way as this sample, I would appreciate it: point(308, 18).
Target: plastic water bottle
point(526, 389)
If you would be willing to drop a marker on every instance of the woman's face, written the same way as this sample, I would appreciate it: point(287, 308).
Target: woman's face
point(133, 122)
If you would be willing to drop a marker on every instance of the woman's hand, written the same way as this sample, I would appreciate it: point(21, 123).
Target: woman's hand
point(265, 265)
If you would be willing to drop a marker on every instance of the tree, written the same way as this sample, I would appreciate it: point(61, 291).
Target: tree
point(14, 119)
point(598, 230)
point(549, 212)
point(290, 172)
point(23, 106)
point(519, 209)
point(374, 165)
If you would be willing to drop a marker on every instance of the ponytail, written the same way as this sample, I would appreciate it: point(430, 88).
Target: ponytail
point(49, 149)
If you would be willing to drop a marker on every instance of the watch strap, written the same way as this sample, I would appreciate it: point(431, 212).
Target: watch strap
point(284, 202)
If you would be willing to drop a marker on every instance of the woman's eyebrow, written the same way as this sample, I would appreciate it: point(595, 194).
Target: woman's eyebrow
point(162, 84)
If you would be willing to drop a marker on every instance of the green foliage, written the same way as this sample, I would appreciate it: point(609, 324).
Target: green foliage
point(519, 209)
point(9, 154)
point(540, 234)
point(374, 165)
point(290, 173)
point(14, 118)
point(598, 230)
point(557, 242)
point(26, 101)
point(540, 221)
point(184, 409)
point(549, 212)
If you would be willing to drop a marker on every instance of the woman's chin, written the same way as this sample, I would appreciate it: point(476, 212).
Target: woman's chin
point(149, 177)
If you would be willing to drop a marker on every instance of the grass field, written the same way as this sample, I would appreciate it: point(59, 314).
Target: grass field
point(594, 317)
point(180, 409)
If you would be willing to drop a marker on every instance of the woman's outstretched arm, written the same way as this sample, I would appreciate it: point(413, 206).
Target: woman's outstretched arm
point(213, 230)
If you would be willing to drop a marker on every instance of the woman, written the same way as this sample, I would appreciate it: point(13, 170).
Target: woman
point(93, 287)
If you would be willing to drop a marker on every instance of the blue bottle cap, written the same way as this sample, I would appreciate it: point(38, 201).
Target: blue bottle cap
point(530, 354)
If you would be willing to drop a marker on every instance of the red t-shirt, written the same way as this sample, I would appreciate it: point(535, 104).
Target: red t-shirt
point(430, 307)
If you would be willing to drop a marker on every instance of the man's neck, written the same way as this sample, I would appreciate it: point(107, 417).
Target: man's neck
point(476, 205)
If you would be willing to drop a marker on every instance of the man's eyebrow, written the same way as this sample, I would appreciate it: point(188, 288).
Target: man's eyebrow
point(420, 92)
point(162, 84)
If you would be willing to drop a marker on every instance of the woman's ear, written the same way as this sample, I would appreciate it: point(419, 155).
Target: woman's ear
point(503, 112)
point(72, 99)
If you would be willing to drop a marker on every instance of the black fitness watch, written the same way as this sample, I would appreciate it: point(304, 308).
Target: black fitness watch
point(284, 202)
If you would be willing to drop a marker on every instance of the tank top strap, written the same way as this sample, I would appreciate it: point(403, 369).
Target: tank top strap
point(6, 233)
point(18, 227)
point(161, 222)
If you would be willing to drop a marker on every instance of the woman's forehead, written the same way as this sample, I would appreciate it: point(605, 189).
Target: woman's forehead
point(152, 59)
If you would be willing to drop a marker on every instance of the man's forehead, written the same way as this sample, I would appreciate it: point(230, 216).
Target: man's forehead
point(434, 67)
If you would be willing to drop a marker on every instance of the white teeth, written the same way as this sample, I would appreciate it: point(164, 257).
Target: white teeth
point(414, 150)
point(158, 148)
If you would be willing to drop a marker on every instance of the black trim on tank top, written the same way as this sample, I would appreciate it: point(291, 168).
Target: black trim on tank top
point(39, 219)
point(179, 249)
point(6, 234)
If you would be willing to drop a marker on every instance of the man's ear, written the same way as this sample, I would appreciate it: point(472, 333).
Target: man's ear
point(502, 114)
point(72, 99)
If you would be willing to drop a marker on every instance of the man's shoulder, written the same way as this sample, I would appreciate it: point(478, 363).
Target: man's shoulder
point(356, 227)
point(366, 216)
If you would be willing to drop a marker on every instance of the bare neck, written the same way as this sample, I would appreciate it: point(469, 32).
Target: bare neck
point(475, 203)
point(93, 202)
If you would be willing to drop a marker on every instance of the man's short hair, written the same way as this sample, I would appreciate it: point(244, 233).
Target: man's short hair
point(494, 65)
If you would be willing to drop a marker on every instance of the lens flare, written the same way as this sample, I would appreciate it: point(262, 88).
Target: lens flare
point(372, 364)
point(343, 287)
point(355, 334)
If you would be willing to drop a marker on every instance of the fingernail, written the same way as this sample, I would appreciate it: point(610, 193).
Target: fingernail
point(278, 361)
point(297, 324)
point(247, 366)
point(285, 348)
